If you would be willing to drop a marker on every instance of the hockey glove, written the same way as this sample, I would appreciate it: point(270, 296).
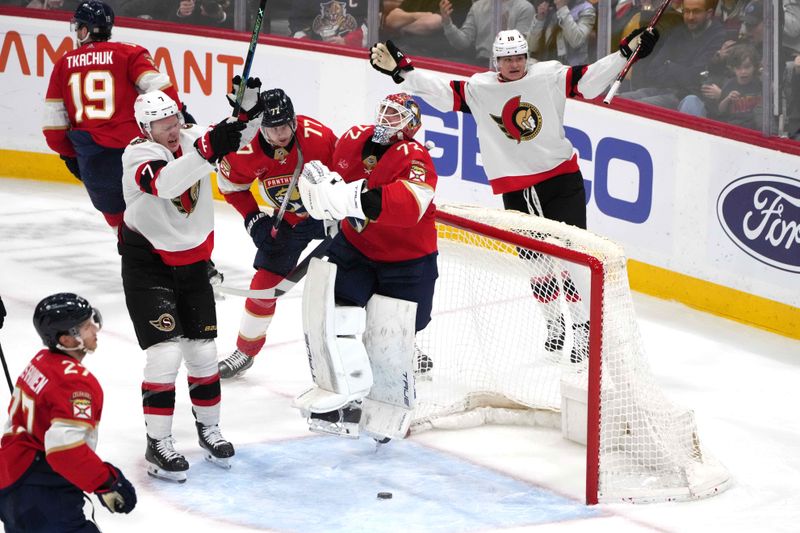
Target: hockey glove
point(187, 117)
point(117, 494)
point(388, 59)
point(220, 140)
point(644, 38)
point(326, 196)
point(258, 226)
point(72, 166)
point(252, 106)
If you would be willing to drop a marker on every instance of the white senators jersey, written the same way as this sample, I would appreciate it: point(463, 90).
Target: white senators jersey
point(168, 197)
point(520, 123)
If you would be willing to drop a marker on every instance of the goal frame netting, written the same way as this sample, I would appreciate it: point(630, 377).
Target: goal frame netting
point(708, 476)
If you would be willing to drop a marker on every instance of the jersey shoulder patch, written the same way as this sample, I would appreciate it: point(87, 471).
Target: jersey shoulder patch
point(137, 140)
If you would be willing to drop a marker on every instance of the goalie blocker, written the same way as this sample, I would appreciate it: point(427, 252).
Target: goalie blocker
point(359, 386)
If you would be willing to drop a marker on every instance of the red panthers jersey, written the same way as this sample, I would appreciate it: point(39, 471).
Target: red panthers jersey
point(405, 173)
point(93, 88)
point(273, 168)
point(55, 409)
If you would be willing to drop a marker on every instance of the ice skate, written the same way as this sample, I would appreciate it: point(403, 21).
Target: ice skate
point(580, 346)
point(342, 422)
point(163, 462)
point(555, 335)
point(218, 450)
point(235, 365)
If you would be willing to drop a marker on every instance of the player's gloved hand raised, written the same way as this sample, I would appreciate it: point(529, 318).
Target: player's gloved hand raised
point(388, 59)
point(188, 118)
point(117, 494)
point(258, 225)
point(220, 140)
point(72, 166)
point(643, 38)
point(326, 196)
point(252, 106)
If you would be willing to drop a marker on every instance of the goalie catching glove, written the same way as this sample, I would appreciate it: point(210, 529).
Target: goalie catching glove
point(388, 59)
point(643, 38)
point(326, 196)
point(251, 106)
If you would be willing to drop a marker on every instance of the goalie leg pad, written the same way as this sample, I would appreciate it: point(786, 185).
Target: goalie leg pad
point(338, 359)
point(389, 339)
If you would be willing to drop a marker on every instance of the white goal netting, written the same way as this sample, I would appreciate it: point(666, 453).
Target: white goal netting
point(510, 331)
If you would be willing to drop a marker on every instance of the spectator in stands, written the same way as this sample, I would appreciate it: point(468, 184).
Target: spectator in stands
point(729, 13)
point(790, 61)
point(204, 13)
point(561, 31)
point(631, 14)
point(674, 70)
point(752, 29)
point(48, 4)
point(476, 34)
point(336, 22)
point(416, 26)
point(740, 102)
point(146, 9)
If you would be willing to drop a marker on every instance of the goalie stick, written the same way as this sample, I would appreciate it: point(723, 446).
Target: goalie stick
point(635, 55)
point(251, 52)
point(291, 279)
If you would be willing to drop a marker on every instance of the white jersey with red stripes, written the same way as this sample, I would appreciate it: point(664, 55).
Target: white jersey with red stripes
point(520, 123)
point(168, 197)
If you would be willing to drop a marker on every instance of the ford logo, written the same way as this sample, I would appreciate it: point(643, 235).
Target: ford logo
point(760, 213)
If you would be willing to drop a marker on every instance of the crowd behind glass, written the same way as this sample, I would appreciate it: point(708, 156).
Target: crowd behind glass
point(716, 58)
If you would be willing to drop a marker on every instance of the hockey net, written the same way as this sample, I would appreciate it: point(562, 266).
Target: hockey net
point(509, 345)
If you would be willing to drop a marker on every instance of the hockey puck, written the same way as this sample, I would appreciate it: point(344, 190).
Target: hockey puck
point(384, 495)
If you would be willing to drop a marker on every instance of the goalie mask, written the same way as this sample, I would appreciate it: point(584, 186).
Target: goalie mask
point(153, 106)
point(63, 314)
point(95, 16)
point(398, 118)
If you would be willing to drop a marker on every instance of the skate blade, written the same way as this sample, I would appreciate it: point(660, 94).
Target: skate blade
point(222, 462)
point(165, 475)
point(348, 431)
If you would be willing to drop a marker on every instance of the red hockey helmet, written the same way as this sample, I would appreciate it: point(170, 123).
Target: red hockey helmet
point(398, 118)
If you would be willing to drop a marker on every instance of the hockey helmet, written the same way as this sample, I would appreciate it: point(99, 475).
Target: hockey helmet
point(509, 43)
point(62, 314)
point(398, 118)
point(153, 106)
point(96, 16)
point(278, 109)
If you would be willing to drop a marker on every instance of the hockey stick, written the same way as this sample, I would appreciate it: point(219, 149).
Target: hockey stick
point(291, 279)
point(298, 168)
point(635, 55)
point(251, 52)
point(5, 369)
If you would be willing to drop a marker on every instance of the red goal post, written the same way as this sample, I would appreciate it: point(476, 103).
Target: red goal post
point(509, 283)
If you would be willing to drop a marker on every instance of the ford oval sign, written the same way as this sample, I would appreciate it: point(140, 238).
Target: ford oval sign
point(761, 215)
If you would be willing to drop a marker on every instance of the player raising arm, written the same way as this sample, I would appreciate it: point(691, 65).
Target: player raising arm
point(519, 111)
point(271, 158)
point(89, 105)
point(47, 457)
point(382, 186)
point(166, 242)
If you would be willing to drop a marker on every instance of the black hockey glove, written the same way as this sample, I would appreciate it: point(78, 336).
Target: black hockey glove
point(646, 42)
point(117, 494)
point(252, 106)
point(388, 59)
point(72, 166)
point(220, 140)
point(187, 117)
point(258, 225)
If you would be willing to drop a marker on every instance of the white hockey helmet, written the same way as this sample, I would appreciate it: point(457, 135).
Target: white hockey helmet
point(509, 43)
point(153, 106)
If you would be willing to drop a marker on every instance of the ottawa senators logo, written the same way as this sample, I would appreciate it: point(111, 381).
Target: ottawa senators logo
point(520, 121)
point(186, 202)
point(165, 323)
point(274, 190)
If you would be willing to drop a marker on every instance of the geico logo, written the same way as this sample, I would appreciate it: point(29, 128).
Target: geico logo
point(622, 186)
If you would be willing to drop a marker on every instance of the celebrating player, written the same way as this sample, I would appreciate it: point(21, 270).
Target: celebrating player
point(271, 158)
point(165, 243)
point(519, 111)
point(47, 457)
point(382, 184)
point(89, 105)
